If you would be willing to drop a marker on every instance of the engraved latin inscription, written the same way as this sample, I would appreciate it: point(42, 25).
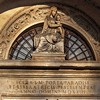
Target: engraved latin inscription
point(63, 87)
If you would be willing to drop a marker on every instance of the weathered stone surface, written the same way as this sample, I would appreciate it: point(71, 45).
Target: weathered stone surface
point(46, 56)
point(36, 14)
point(48, 85)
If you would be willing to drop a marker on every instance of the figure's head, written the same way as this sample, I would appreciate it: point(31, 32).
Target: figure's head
point(53, 10)
point(58, 17)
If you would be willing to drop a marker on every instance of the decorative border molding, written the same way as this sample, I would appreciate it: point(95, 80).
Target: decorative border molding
point(17, 64)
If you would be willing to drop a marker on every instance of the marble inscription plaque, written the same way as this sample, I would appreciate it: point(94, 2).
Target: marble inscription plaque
point(51, 86)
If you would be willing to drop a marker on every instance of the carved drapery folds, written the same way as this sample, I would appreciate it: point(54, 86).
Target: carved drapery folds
point(36, 14)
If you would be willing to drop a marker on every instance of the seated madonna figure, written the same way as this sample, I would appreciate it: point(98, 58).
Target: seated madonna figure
point(51, 39)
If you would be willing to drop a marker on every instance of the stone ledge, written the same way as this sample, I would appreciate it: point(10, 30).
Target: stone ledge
point(46, 56)
point(48, 64)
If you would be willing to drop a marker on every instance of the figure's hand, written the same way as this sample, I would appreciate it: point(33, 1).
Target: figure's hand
point(60, 25)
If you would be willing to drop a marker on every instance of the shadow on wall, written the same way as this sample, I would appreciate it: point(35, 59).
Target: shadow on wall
point(10, 4)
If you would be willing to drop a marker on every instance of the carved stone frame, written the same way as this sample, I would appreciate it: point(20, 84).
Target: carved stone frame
point(30, 16)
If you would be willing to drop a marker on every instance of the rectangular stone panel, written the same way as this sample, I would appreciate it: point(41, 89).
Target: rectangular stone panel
point(49, 85)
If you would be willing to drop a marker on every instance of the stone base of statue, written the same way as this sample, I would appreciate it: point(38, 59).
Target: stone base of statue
point(48, 56)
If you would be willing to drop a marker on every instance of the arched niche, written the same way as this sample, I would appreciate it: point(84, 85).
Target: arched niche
point(34, 15)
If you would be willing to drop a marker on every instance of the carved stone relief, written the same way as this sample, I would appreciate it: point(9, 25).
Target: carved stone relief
point(37, 14)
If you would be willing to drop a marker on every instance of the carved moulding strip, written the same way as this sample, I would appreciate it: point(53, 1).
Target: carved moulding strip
point(17, 64)
point(36, 14)
point(48, 98)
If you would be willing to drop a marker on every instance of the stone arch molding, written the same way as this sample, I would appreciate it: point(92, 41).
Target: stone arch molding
point(33, 15)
